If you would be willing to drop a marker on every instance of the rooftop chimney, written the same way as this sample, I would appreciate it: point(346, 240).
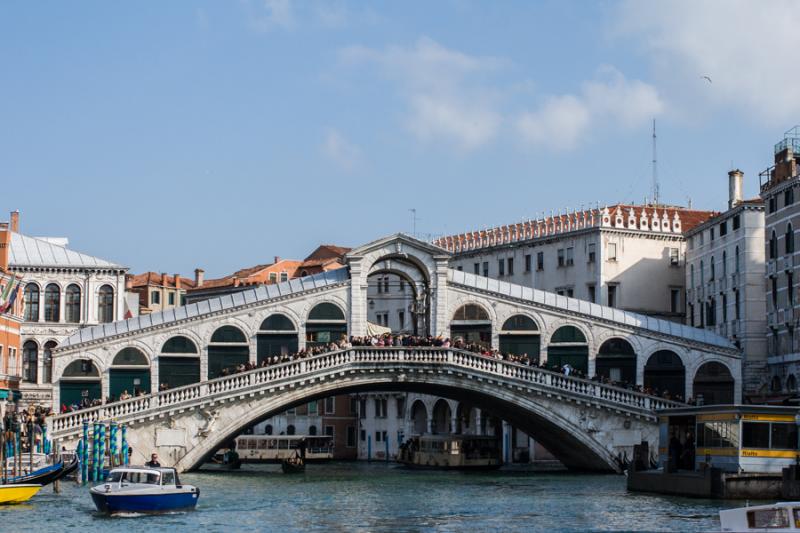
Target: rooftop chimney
point(277, 259)
point(177, 278)
point(5, 246)
point(164, 279)
point(198, 277)
point(128, 282)
point(15, 221)
point(735, 180)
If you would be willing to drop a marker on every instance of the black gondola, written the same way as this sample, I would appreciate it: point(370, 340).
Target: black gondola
point(294, 465)
point(46, 475)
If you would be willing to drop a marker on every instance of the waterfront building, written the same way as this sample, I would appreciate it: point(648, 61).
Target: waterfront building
point(780, 191)
point(10, 322)
point(725, 280)
point(628, 257)
point(63, 291)
point(158, 292)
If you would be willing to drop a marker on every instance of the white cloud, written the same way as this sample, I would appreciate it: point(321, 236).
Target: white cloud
point(746, 47)
point(562, 120)
point(268, 15)
point(442, 89)
point(341, 151)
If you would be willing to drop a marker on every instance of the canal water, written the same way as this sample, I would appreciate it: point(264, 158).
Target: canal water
point(344, 497)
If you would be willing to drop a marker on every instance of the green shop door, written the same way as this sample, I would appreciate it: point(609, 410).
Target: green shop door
point(178, 371)
point(73, 392)
point(132, 381)
point(576, 356)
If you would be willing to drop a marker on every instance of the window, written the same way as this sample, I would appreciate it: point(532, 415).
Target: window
point(52, 303)
point(773, 246)
point(774, 293)
point(592, 294)
point(459, 268)
point(674, 257)
point(486, 269)
point(773, 204)
point(171, 298)
point(401, 319)
point(711, 233)
point(380, 407)
point(691, 314)
point(788, 196)
point(570, 292)
point(723, 228)
point(284, 277)
point(501, 267)
point(724, 264)
point(72, 307)
point(273, 277)
point(105, 304)
point(755, 435)
point(477, 268)
point(592, 254)
point(675, 300)
point(155, 297)
point(363, 435)
point(313, 408)
point(702, 273)
point(768, 519)
point(724, 308)
point(329, 431)
point(47, 361)
point(790, 288)
point(736, 261)
point(351, 437)
point(789, 238)
point(510, 262)
point(561, 257)
point(183, 299)
point(31, 296)
point(402, 286)
point(783, 436)
point(737, 222)
point(540, 261)
point(401, 407)
point(713, 269)
point(362, 408)
point(527, 262)
point(711, 312)
point(738, 309)
point(570, 256)
point(691, 277)
point(386, 284)
point(330, 405)
point(30, 361)
point(612, 251)
point(612, 295)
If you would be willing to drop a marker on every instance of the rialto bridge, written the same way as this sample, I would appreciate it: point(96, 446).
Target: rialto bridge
point(587, 425)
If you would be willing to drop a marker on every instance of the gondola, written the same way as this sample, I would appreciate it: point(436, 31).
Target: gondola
point(45, 476)
point(293, 465)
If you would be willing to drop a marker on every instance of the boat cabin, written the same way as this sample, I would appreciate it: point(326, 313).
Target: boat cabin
point(733, 438)
point(143, 475)
point(777, 517)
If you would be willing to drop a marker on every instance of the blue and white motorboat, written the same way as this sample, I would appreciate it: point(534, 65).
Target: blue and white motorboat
point(137, 489)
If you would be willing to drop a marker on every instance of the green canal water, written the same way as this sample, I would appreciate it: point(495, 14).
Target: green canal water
point(344, 497)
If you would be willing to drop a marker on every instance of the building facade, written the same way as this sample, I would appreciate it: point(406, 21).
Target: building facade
point(781, 194)
point(725, 280)
point(63, 291)
point(158, 292)
point(10, 323)
point(626, 256)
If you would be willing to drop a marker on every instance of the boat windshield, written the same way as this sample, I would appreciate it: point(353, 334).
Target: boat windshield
point(133, 477)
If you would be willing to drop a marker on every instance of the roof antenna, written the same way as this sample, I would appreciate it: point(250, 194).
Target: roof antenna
point(655, 167)
point(413, 222)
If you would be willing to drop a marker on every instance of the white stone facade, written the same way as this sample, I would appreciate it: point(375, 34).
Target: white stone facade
point(725, 284)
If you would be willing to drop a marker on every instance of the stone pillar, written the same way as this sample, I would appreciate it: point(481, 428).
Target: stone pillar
point(430, 425)
point(440, 324)
point(453, 424)
point(506, 436)
point(358, 298)
point(203, 363)
point(478, 426)
point(542, 353)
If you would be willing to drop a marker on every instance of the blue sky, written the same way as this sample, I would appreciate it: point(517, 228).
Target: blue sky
point(171, 135)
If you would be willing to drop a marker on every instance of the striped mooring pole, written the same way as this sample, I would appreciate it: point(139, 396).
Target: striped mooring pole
point(112, 445)
point(124, 444)
point(85, 454)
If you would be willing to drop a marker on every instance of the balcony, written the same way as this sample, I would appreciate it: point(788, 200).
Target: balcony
point(786, 264)
point(723, 329)
point(735, 277)
point(772, 319)
point(772, 267)
point(689, 295)
point(736, 327)
point(722, 284)
point(710, 288)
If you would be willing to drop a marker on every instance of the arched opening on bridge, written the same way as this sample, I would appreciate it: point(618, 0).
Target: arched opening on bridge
point(80, 383)
point(178, 363)
point(472, 324)
point(130, 372)
point(419, 418)
point(664, 371)
point(616, 361)
point(398, 293)
point(568, 347)
point(713, 384)
point(791, 383)
point(276, 336)
point(440, 424)
point(326, 323)
point(228, 349)
point(520, 336)
point(290, 430)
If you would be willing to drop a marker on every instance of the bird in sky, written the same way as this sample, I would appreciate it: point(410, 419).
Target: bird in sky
point(707, 78)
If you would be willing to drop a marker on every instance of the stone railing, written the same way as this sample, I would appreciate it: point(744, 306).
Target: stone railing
point(361, 357)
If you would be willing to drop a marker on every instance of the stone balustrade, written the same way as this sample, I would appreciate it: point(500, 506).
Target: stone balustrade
point(360, 358)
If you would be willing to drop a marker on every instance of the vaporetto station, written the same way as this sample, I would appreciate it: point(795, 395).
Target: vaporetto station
point(586, 424)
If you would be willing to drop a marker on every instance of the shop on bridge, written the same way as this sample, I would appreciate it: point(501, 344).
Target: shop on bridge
point(179, 362)
point(80, 383)
point(713, 384)
point(471, 323)
point(616, 361)
point(664, 372)
point(130, 372)
point(326, 323)
point(519, 336)
point(228, 349)
point(276, 336)
point(568, 346)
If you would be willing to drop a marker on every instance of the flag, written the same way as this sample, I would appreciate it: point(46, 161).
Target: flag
point(7, 302)
point(6, 293)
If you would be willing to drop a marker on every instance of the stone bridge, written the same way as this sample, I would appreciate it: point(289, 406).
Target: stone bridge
point(587, 425)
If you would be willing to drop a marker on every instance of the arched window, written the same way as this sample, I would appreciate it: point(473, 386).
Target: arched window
point(712, 269)
point(773, 245)
point(326, 311)
point(664, 371)
point(713, 384)
point(691, 277)
point(81, 368)
point(31, 296)
point(52, 303)
point(129, 373)
point(72, 304)
point(105, 304)
point(290, 429)
point(736, 259)
point(471, 312)
point(277, 336)
point(130, 357)
point(80, 383)
point(268, 429)
point(724, 264)
point(325, 323)
point(47, 361)
point(568, 347)
point(789, 237)
point(702, 273)
point(178, 363)
point(776, 384)
point(30, 361)
point(227, 350)
point(791, 383)
point(312, 430)
point(616, 361)
point(520, 336)
point(471, 324)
